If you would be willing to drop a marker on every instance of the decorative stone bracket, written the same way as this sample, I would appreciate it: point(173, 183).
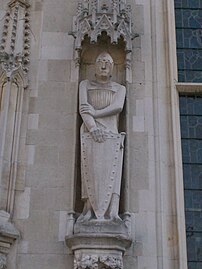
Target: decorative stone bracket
point(98, 251)
point(97, 244)
point(8, 235)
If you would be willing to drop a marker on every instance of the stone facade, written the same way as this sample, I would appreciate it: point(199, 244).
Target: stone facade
point(46, 188)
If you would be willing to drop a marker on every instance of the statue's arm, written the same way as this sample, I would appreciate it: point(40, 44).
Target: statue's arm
point(83, 103)
point(117, 105)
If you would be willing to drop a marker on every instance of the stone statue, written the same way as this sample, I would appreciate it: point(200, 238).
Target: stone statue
point(101, 102)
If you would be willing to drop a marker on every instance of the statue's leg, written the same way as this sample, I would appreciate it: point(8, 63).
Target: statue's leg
point(114, 207)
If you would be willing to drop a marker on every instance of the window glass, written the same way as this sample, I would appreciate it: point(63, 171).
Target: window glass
point(188, 15)
point(191, 133)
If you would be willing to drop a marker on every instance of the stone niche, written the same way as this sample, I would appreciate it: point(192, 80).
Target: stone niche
point(100, 232)
point(88, 55)
point(100, 243)
point(90, 52)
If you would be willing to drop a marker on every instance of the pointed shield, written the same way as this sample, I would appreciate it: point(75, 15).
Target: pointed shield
point(101, 164)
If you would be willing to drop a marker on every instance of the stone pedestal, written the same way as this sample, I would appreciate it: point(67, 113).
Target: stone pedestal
point(95, 251)
point(99, 245)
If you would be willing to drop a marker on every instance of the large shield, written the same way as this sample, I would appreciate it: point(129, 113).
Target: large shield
point(101, 170)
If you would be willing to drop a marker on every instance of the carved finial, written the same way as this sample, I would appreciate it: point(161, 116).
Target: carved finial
point(24, 3)
point(79, 8)
point(16, 48)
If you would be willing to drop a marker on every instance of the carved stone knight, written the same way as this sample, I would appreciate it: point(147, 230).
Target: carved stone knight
point(101, 102)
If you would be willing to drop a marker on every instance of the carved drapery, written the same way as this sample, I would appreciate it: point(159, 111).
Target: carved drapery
point(14, 66)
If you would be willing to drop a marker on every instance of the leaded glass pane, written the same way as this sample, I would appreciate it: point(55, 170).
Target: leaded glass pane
point(188, 15)
point(191, 133)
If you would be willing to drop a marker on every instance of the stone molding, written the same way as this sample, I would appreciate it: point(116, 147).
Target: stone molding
point(15, 51)
point(86, 261)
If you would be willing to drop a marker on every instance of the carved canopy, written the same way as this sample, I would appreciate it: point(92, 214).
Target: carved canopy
point(97, 16)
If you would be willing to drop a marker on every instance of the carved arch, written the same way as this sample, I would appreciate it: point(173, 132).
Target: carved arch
point(12, 140)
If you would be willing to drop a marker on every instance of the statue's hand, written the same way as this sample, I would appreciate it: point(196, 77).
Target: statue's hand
point(87, 109)
point(98, 134)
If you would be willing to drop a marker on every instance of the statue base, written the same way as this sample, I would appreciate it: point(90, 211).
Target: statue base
point(119, 227)
point(99, 244)
point(97, 251)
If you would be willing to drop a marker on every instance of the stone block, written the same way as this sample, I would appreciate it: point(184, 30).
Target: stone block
point(130, 262)
point(62, 231)
point(34, 93)
point(42, 225)
point(36, 28)
point(138, 124)
point(45, 137)
point(30, 154)
point(55, 97)
point(54, 23)
point(57, 46)
point(38, 247)
point(138, 19)
point(54, 199)
point(22, 199)
point(43, 70)
point(139, 177)
point(59, 70)
point(57, 121)
point(44, 261)
point(33, 121)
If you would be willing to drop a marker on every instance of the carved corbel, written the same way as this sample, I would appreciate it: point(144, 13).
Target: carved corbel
point(88, 261)
point(8, 235)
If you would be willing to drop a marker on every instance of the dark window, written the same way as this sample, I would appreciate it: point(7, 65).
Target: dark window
point(191, 132)
point(188, 14)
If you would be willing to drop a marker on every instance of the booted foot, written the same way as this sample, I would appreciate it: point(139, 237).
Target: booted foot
point(87, 217)
point(115, 218)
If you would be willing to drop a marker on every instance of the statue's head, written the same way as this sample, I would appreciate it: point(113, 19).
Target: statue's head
point(104, 66)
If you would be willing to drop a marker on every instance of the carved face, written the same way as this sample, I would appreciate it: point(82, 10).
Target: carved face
point(104, 66)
